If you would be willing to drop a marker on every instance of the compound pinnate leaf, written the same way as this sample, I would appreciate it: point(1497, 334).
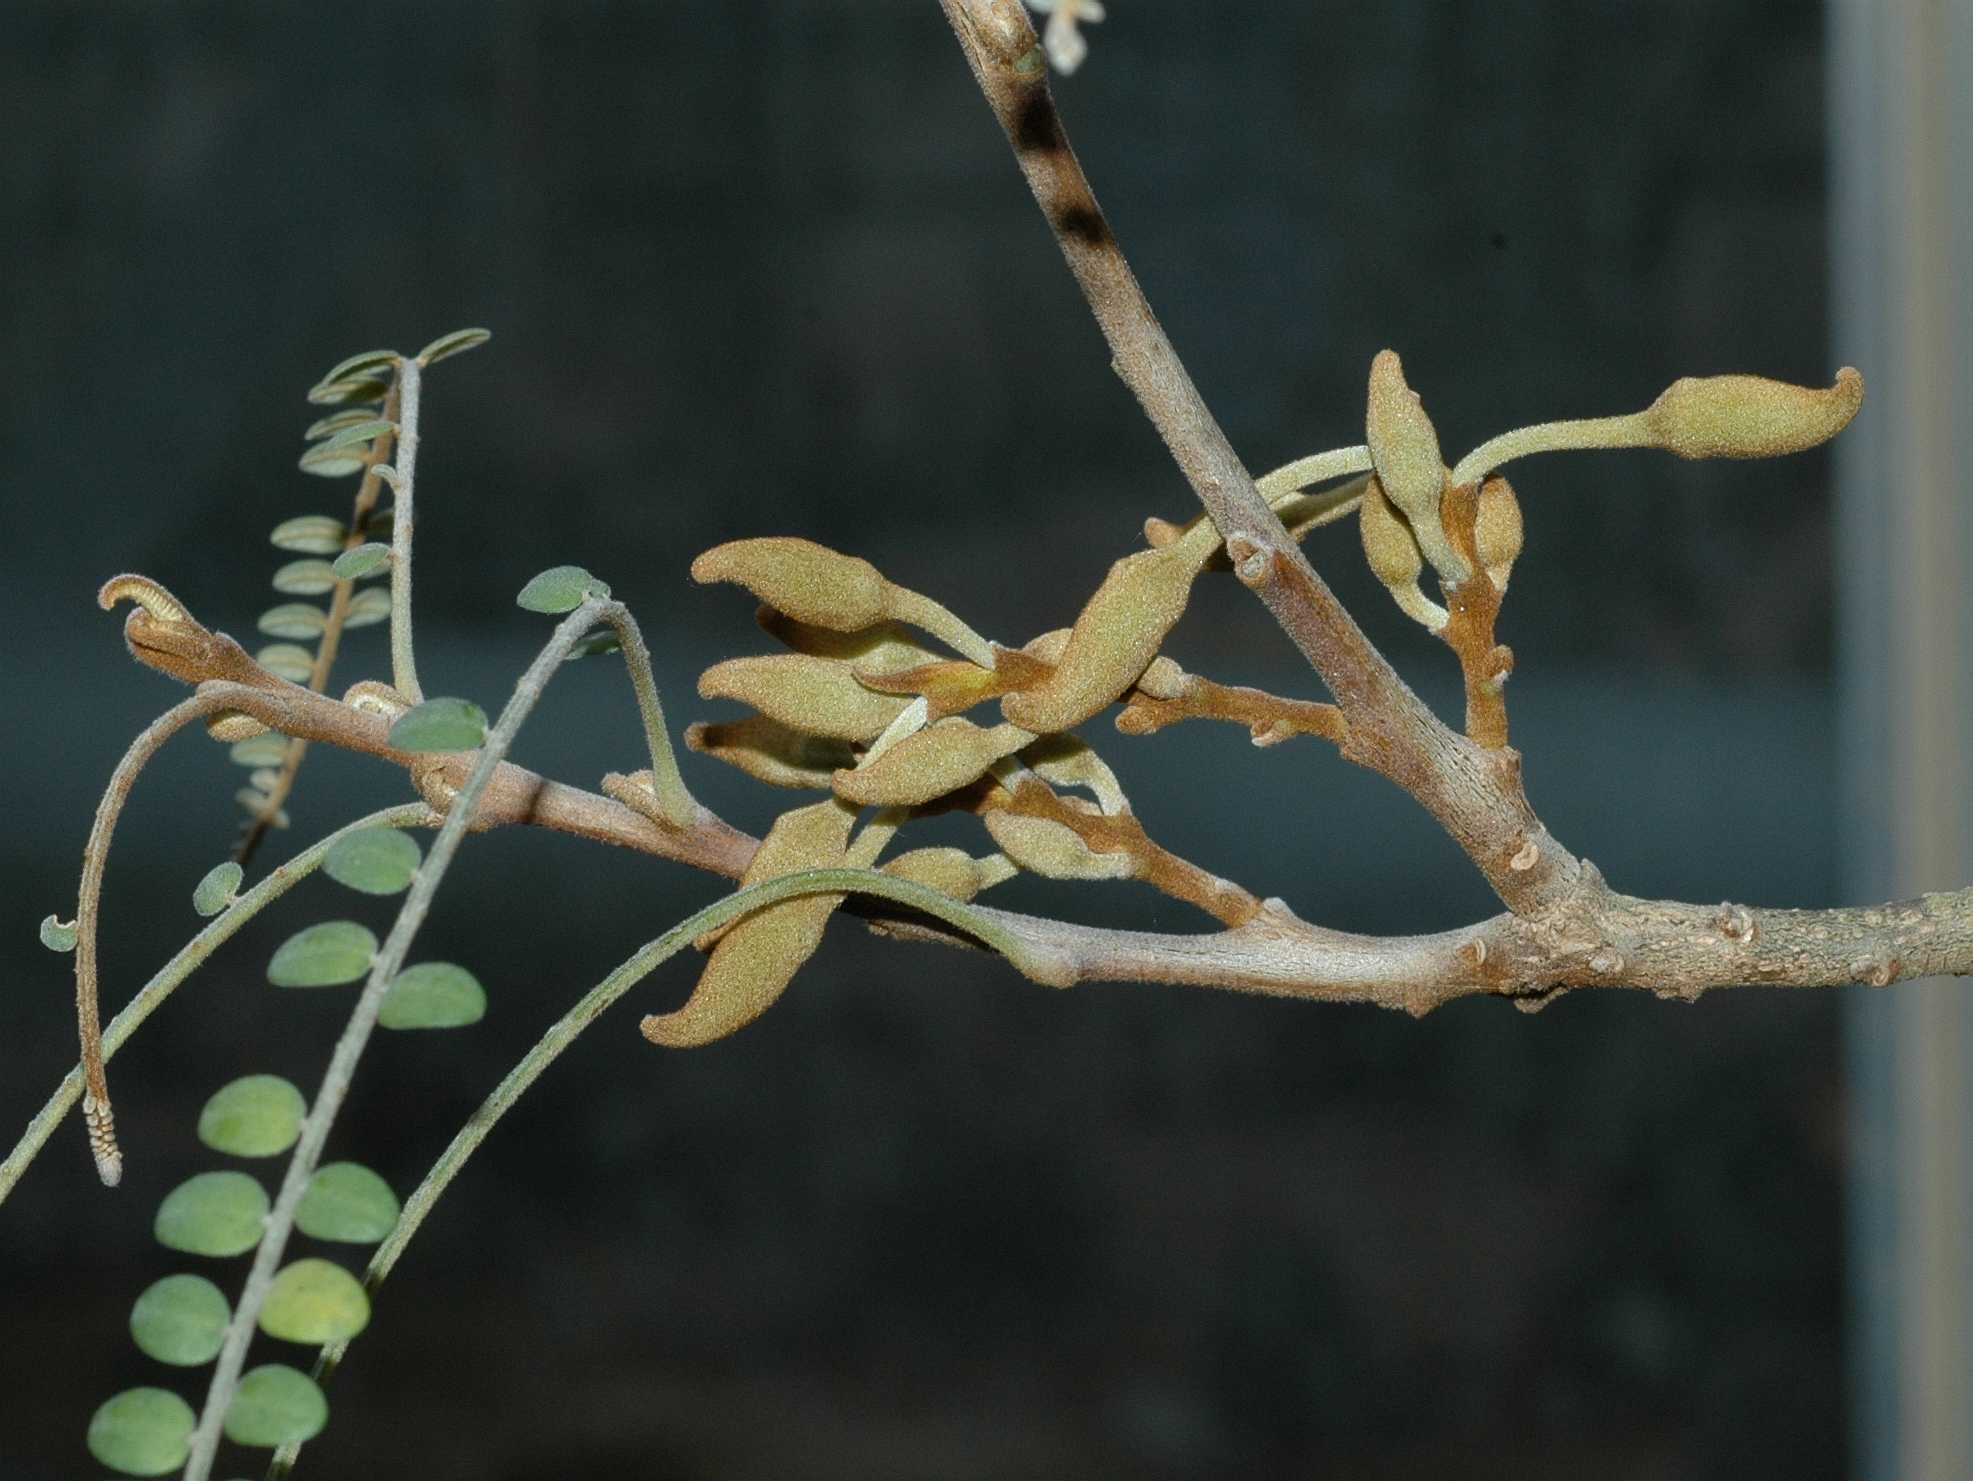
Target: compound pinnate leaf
point(376, 861)
point(305, 578)
point(440, 725)
point(214, 893)
point(456, 343)
point(180, 1320)
point(212, 1213)
point(286, 661)
point(309, 534)
point(353, 565)
point(372, 604)
point(314, 1301)
point(560, 589)
point(433, 995)
point(276, 1405)
point(142, 1432)
point(324, 955)
point(297, 621)
point(348, 1202)
point(363, 363)
point(57, 935)
point(255, 1116)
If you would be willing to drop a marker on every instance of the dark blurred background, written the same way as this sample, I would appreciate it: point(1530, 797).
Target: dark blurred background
point(766, 266)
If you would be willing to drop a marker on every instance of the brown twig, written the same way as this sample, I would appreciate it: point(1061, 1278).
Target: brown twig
point(1473, 792)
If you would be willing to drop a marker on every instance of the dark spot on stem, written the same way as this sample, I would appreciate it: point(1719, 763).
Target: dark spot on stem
point(1085, 224)
point(1035, 127)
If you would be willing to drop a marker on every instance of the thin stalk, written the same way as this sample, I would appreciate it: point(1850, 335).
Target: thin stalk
point(404, 668)
point(188, 959)
point(1634, 430)
point(332, 632)
point(599, 998)
point(676, 804)
point(337, 1079)
point(95, 856)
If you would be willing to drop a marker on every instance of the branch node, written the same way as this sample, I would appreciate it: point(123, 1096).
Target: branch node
point(1474, 953)
point(1737, 924)
point(1606, 961)
point(1875, 971)
point(1252, 557)
point(1528, 855)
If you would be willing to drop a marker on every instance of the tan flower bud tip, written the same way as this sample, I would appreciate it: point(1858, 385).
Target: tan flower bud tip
point(1388, 543)
point(1497, 529)
point(810, 583)
point(817, 695)
point(1161, 532)
point(950, 871)
point(233, 725)
point(939, 759)
point(1404, 446)
point(1749, 416)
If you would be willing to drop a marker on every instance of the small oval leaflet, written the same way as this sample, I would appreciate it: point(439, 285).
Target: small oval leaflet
point(212, 1213)
point(560, 589)
point(314, 1301)
point(180, 1320)
point(286, 661)
point(372, 604)
point(309, 534)
point(325, 955)
point(363, 362)
point(296, 621)
point(57, 936)
point(455, 343)
point(433, 995)
point(351, 388)
point(254, 1116)
point(267, 749)
point(353, 565)
point(142, 1432)
point(360, 433)
point(276, 1405)
point(347, 1202)
point(376, 861)
point(215, 892)
point(327, 461)
point(440, 725)
point(305, 578)
point(335, 421)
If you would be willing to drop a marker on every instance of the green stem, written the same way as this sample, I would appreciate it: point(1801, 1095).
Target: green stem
point(591, 1006)
point(337, 1079)
point(675, 802)
point(404, 668)
point(189, 958)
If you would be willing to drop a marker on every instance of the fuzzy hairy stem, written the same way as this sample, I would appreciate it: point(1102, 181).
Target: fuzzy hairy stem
point(349, 1048)
point(187, 959)
point(404, 472)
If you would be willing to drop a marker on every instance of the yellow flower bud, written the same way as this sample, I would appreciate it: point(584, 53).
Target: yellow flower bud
point(759, 955)
point(1053, 850)
point(1497, 529)
point(1749, 416)
point(1116, 635)
point(1404, 446)
point(818, 695)
point(771, 752)
point(950, 871)
point(941, 758)
point(809, 582)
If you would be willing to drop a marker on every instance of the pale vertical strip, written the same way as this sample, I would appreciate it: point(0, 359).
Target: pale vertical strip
point(1901, 174)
